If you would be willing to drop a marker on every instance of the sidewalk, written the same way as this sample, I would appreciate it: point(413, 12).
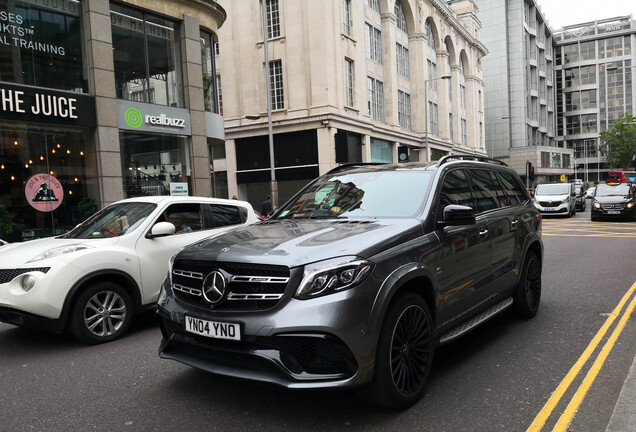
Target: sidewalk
point(624, 416)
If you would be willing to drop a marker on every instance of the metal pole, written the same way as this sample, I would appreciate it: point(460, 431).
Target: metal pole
point(273, 182)
point(428, 150)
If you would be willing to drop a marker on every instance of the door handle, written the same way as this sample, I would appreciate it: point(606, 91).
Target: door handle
point(514, 223)
point(483, 233)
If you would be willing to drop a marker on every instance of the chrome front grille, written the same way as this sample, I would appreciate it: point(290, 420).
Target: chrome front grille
point(550, 203)
point(249, 287)
point(616, 206)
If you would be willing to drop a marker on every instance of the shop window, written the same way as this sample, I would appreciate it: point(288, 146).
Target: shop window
point(150, 163)
point(61, 153)
point(43, 45)
point(146, 56)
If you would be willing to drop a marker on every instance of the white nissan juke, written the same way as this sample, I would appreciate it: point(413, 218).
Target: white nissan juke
point(92, 280)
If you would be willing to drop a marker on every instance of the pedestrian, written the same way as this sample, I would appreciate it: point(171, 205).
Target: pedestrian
point(266, 208)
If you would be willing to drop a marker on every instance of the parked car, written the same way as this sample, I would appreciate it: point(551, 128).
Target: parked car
point(589, 193)
point(92, 280)
point(580, 197)
point(357, 278)
point(3, 242)
point(614, 201)
point(555, 198)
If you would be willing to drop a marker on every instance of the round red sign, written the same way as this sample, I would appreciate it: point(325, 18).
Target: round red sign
point(44, 192)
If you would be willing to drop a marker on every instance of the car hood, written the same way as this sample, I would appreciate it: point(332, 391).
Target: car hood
point(562, 197)
point(18, 254)
point(295, 243)
point(612, 199)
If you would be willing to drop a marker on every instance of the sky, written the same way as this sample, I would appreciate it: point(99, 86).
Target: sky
point(561, 13)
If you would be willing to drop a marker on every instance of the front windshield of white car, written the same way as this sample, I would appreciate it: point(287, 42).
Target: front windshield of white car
point(607, 190)
point(398, 193)
point(113, 221)
point(553, 189)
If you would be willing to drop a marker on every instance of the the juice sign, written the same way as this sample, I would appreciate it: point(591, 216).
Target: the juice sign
point(44, 192)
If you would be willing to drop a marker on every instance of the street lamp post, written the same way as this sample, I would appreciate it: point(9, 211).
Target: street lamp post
point(273, 182)
point(428, 150)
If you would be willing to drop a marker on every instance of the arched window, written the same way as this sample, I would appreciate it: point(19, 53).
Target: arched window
point(430, 38)
point(400, 18)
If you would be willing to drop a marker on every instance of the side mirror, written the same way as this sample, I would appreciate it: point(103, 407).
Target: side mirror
point(161, 229)
point(458, 215)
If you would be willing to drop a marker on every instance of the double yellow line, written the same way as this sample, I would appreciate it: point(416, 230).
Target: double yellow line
point(578, 397)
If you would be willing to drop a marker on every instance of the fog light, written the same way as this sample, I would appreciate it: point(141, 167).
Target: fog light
point(28, 282)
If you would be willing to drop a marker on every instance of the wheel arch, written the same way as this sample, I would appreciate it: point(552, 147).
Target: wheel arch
point(115, 276)
point(417, 280)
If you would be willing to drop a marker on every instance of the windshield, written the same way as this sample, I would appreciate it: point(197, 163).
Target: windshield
point(553, 189)
point(607, 190)
point(115, 220)
point(367, 195)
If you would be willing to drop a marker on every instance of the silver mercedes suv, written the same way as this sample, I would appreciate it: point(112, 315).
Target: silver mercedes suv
point(356, 279)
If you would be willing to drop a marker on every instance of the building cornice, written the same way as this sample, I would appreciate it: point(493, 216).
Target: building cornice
point(450, 17)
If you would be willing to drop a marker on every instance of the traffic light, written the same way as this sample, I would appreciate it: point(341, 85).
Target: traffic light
point(403, 154)
point(531, 171)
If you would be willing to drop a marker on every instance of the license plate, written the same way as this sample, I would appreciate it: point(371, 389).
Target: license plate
point(213, 329)
point(613, 212)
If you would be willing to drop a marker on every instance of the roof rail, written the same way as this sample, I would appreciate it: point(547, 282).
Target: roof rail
point(448, 158)
point(351, 165)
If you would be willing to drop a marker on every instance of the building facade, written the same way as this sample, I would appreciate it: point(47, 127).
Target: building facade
point(520, 89)
point(350, 81)
point(594, 75)
point(101, 101)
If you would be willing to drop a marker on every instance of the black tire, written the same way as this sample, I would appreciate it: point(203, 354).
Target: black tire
point(528, 294)
point(101, 313)
point(405, 353)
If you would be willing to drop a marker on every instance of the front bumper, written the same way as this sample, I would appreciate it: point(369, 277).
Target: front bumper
point(563, 208)
point(614, 213)
point(319, 343)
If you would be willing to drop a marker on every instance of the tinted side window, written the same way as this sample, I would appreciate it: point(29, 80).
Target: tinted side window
point(224, 215)
point(485, 190)
point(455, 190)
point(512, 188)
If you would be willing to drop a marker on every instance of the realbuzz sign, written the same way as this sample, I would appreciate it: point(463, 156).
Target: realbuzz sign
point(164, 120)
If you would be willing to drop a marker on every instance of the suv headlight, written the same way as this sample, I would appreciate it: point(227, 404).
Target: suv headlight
point(596, 204)
point(331, 276)
point(61, 250)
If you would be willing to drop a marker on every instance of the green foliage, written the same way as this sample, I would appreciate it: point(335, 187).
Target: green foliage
point(619, 142)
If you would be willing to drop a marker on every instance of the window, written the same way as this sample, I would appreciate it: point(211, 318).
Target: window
point(219, 94)
point(400, 18)
point(42, 44)
point(430, 38)
point(373, 4)
point(512, 187)
point(224, 215)
point(485, 189)
point(432, 74)
point(209, 72)
point(185, 217)
point(349, 82)
point(402, 54)
point(455, 190)
point(450, 126)
point(276, 84)
point(373, 38)
point(464, 132)
point(273, 19)
point(433, 119)
point(375, 100)
point(346, 17)
point(404, 109)
point(146, 56)
point(462, 96)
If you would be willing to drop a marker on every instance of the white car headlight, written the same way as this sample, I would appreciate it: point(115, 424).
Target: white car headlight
point(60, 251)
point(331, 276)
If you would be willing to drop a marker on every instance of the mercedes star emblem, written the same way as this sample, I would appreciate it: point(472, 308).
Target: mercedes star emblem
point(214, 287)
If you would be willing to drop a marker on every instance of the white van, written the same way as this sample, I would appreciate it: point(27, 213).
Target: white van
point(556, 198)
